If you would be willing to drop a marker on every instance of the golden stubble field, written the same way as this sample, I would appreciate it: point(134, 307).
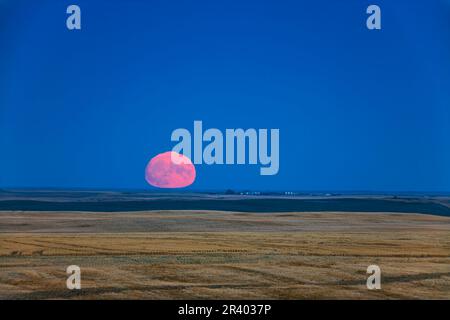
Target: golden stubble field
point(227, 255)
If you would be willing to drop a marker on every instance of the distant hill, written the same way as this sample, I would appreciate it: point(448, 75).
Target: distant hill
point(116, 202)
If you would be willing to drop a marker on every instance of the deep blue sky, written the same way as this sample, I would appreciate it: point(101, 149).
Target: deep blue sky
point(356, 109)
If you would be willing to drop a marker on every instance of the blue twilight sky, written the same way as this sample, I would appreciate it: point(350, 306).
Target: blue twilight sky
point(357, 109)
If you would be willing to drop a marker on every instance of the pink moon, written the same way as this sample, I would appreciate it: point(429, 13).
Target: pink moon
point(163, 172)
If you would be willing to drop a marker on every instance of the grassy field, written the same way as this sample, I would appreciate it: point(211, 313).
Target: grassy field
point(230, 255)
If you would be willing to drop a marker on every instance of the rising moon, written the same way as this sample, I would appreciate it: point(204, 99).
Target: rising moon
point(170, 170)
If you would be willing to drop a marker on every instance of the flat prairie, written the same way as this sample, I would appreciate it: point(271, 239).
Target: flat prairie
point(223, 255)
